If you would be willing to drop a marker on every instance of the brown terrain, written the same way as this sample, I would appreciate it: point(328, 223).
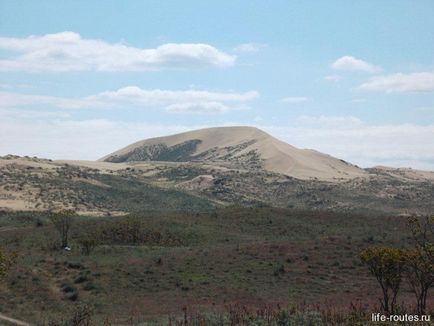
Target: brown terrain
point(216, 166)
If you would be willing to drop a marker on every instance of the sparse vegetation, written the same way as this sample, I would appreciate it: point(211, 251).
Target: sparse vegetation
point(7, 259)
point(387, 265)
point(63, 221)
point(132, 254)
point(416, 263)
point(420, 259)
point(88, 241)
point(160, 262)
point(159, 152)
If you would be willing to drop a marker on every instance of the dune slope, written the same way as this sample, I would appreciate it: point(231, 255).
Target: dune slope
point(241, 146)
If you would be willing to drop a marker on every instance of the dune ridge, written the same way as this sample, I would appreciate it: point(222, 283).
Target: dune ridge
point(240, 144)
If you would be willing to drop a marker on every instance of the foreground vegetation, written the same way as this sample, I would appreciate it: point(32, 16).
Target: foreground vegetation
point(229, 266)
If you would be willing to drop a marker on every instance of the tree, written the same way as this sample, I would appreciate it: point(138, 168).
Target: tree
point(419, 272)
point(386, 264)
point(419, 267)
point(62, 221)
point(88, 242)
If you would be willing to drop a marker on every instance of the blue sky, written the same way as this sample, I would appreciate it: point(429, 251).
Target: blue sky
point(79, 79)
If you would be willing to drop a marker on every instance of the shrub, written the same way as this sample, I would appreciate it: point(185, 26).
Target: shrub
point(73, 296)
point(419, 267)
point(80, 279)
point(67, 288)
point(62, 221)
point(87, 243)
point(387, 265)
point(80, 316)
point(6, 260)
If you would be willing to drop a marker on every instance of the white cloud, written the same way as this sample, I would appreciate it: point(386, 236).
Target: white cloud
point(187, 101)
point(249, 47)
point(293, 100)
point(329, 121)
point(353, 64)
point(348, 138)
point(71, 139)
point(199, 107)
point(157, 96)
point(29, 114)
point(67, 51)
point(9, 100)
point(401, 83)
point(351, 139)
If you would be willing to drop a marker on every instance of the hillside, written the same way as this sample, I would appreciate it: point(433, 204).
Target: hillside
point(88, 187)
point(116, 188)
point(240, 147)
point(252, 257)
point(204, 169)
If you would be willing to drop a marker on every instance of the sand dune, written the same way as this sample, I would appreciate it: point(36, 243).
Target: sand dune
point(234, 143)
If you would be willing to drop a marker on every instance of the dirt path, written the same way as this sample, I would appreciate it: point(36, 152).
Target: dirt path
point(13, 321)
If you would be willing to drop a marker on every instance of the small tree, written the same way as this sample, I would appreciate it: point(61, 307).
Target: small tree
point(386, 264)
point(419, 269)
point(88, 242)
point(419, 272)
point(62, 221)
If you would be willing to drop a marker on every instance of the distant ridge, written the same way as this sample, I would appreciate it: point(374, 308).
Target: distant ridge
point(246, 147)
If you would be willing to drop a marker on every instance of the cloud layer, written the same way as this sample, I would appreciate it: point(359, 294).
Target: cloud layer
point(401, 83)
point(176, 101)
point(350, 63)
point(198, 107)
point(345, 137)
point(67, 51)
point(352, 139)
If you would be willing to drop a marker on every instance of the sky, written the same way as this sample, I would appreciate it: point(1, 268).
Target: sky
point(353, 79)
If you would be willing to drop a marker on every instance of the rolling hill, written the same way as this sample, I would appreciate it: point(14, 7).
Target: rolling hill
point(208, 168)
point(246, 147)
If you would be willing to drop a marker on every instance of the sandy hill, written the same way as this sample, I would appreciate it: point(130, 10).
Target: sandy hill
point(404, 173)
point(246, 147)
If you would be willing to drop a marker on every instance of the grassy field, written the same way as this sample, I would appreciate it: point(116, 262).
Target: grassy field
point(253, 257)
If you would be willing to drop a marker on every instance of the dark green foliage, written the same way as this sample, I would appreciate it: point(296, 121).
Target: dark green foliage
point(181, 173)
point(67, 288)
point(87, 189)
point(135, 230)
point(88, 240)
point(159, 152)
point(80, 279)
point(129, 194)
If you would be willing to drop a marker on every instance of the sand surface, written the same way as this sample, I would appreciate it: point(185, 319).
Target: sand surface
point(277, 156)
